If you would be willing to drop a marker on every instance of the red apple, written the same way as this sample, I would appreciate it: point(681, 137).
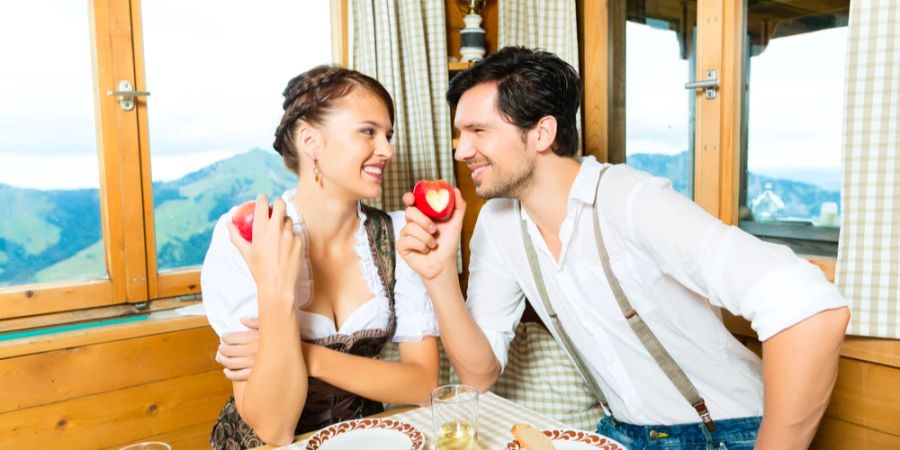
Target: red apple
point(435, 198)
point(243, 219)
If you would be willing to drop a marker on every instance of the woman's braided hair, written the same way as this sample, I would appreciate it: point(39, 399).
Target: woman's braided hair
point(311, 95)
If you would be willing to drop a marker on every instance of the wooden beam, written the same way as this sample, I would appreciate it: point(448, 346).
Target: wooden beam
point(178, 282)
point(30, 300)
point(92, 314)
point(595, 77)
point(32, 345)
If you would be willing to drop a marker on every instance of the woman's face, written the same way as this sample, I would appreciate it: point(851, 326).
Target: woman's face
point(356, 146)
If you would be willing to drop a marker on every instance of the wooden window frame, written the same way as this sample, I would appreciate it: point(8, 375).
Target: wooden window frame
point(134, 284)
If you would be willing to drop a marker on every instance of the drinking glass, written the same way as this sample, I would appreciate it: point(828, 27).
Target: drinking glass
point(454, 409)
point(148, 446)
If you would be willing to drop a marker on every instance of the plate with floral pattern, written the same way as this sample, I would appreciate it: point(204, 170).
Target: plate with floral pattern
point(573, 440)
point(371, 434)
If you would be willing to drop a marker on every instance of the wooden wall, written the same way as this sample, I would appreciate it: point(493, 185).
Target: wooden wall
point(108, 387)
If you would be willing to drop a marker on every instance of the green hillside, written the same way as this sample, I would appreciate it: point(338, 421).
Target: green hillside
point(802, 200)
point(55, 235)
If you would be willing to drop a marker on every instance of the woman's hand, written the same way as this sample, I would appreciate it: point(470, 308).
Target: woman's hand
point(428, 247)
point(275, 255)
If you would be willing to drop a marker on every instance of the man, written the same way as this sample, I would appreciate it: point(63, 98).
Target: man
point(634, 272)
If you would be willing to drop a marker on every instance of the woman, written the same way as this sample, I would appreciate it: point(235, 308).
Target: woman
point(321, 276)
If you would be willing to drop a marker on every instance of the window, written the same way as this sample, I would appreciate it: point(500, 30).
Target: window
point(791, 175)
point(659, 60)
point(103, 205)
point(213, 117)
point(49, 203)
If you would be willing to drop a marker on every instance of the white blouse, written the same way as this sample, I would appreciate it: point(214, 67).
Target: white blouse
point(229, 291)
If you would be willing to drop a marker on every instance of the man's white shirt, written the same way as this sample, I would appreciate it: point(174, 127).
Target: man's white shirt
point(677, 265)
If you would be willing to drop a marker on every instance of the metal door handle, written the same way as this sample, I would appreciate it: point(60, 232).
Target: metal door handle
point(126, 94)
point(709, 85)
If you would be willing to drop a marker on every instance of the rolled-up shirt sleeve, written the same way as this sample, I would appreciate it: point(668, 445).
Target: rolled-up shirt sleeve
point(763, 282)
point(415, 313)
point(494, 298)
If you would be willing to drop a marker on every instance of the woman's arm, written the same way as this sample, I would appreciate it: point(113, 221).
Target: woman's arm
point(272, 399)
point(409, 381)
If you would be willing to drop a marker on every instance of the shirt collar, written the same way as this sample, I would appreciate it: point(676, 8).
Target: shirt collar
point(584, 189)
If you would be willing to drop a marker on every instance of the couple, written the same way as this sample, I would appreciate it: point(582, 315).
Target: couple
point(627, 274)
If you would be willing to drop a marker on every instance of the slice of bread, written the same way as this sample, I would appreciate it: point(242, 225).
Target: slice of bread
point(531, 438)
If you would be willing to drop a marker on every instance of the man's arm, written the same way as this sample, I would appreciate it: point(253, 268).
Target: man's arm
point(799, 369)
point(464, 342)
point(800, 317)
point(429, 248)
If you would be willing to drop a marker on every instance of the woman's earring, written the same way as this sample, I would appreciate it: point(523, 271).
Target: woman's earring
point(316, 171)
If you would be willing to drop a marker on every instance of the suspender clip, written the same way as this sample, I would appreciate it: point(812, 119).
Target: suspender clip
point(606, 411)
point(704, 415)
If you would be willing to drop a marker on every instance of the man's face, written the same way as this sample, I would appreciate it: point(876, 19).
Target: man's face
point(497, 152)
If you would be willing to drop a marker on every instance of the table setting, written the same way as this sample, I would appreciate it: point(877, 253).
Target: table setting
point(459, 418)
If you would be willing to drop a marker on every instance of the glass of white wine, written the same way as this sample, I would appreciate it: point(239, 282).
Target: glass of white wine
point(454, 408)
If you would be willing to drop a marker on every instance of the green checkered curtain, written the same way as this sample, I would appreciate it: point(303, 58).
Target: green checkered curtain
point(549, 25)
point(868, 266)
point(403, 44)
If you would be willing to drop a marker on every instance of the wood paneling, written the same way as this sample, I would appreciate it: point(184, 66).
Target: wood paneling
point(866, 394)
point(117, 417)
point(473, 206)
point(69, 373)
point(106, 387)
point(838, 435)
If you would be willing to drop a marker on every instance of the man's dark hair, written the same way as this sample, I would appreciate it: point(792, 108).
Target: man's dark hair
point(531, 84)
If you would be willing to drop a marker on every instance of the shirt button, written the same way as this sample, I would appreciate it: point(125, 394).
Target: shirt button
point(611, 360)
point(637, 412)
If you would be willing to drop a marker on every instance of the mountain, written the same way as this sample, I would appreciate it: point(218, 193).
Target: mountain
point(802, 198)
point(54, 235)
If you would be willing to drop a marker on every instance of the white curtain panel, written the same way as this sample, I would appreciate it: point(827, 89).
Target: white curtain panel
point(403, 45)
point(550, 25)
point(868, 266)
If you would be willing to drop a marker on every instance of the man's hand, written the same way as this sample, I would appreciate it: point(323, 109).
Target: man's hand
point(428, 247)
point(237, 351)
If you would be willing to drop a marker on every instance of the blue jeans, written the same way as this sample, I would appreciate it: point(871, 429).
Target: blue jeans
point(730, 434)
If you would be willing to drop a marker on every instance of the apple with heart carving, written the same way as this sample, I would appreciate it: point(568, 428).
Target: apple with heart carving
point(243, 219)
point(435, 198)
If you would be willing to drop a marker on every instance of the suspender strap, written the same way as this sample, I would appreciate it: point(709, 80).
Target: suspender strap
point(554, 320)
point(641, 330)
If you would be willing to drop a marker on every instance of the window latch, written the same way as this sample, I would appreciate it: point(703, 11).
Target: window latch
point(709, 85)
point(126, 94)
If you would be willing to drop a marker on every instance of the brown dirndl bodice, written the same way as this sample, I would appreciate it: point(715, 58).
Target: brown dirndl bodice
point(327, 404)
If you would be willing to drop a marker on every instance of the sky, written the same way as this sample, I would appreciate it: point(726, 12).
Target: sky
point(215, 71)
point(217, 68)
point(796, 98)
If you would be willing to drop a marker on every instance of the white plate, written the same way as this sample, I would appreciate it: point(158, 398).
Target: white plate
point(371, 434)
point(574, 440)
